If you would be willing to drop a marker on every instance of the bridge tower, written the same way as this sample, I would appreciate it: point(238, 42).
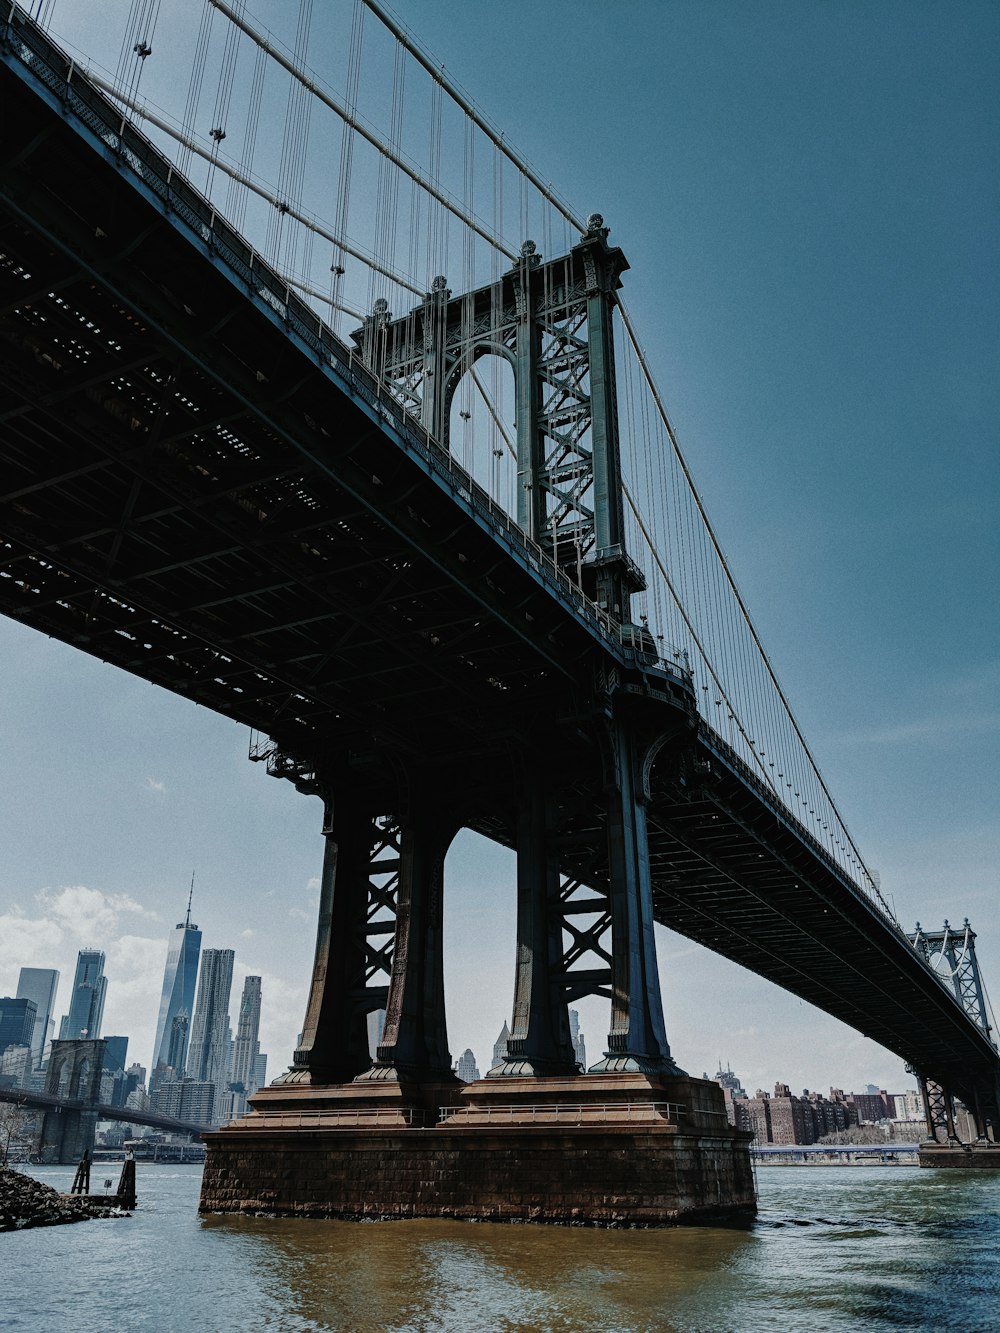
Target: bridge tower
point(951, 951)
point(74, 1073)
point(389, 820)
point(552, 323)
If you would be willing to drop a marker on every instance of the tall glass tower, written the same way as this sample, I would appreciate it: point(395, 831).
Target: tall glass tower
point(39, 984)
point(247, 1046)
point(86, 1006)
point(177, 998)
point(208, 1059)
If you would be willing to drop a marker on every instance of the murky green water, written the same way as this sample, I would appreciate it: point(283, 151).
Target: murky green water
point(834, 1248)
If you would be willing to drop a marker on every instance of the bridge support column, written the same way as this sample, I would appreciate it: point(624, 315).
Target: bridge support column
point(540, 1041)
point(638, 1038)
point(414, 1040)
point(938, 1111)
point(334, 1035)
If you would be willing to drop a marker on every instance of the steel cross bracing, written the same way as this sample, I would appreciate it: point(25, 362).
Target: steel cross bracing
point(956, 947)
point(202, 486)
point(423, 355)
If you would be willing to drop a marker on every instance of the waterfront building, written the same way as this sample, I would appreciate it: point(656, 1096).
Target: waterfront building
point(466, 1068)
point(733, 1091)
point(160, 1075)
point(230, 1104)
point(727, 1079)
point(259, 1074)
point(208, 1057)
point(137, 1072)
point(871, 1107)
point(86, 1005)
point(780, 1117)
point(177, 996)
point(500, 1046)
point(15, 1064)
point(17, 1022)
point(39, 984)
point(908, 1105)
point(138, 1099)
point(247, 1046)
point(187, 1099)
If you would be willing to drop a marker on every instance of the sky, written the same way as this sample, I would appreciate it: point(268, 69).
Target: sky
point(808, 199)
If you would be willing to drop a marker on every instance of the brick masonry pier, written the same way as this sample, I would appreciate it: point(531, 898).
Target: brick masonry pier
point(607, 1150)
point(978, 1156)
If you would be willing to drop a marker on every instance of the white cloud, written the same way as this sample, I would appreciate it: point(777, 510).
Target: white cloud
point(298, 913)
point(152, 784)
point(76, 917)
point(247, 934)
point(89, 912)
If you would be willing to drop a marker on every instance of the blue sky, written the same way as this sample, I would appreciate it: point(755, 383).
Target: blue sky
point(808, 197)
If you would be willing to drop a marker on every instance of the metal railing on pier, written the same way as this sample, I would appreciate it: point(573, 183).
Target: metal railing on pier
point(566, 1113)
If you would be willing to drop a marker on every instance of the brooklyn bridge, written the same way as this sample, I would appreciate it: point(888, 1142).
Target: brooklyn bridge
point(430, 536)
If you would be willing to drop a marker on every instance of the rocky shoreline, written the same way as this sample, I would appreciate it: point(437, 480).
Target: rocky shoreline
point(25, 1202)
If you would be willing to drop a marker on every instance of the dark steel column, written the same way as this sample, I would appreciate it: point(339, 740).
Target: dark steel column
point(638, 1038)
point(603, 266)
point(334, 1045)
point(530, 512)
point(540, 1041)
point(415, 1037)
point(928, 1117)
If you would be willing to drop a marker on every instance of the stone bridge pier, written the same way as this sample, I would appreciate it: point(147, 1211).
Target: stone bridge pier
point(74, 1073)
point(633, 1141)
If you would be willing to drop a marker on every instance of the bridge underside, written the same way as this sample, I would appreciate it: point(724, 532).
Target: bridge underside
point(200, 487)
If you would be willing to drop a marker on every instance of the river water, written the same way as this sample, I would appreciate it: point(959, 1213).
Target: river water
point(834, 1248)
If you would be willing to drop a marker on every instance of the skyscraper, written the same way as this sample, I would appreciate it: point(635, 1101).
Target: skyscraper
point(179, 978)
point(576, 1036)
point(17, 1022)
point(500, 1046)
point(86, 1005)
point(259, 1074)
point(177, 1050)
point(247, 1029)
point(467, 1070)
point(115, 1054)
point(208, 1056)
point(39, 984)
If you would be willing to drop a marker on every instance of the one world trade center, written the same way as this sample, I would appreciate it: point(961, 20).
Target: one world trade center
point(177, 1000)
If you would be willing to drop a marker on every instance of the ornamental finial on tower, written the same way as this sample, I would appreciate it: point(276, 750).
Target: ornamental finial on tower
point(596, 227)
point(529, 255)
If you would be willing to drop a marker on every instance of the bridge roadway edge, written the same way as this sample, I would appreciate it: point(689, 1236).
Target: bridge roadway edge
point(591, 1150)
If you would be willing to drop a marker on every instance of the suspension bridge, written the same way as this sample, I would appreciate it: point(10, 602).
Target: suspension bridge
point(385, 479)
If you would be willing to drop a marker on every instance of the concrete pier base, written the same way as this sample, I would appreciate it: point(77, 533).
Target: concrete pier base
point(606, 1150)
point(975, 1155)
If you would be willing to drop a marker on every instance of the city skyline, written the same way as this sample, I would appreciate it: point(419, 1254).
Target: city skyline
point(815, 289)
